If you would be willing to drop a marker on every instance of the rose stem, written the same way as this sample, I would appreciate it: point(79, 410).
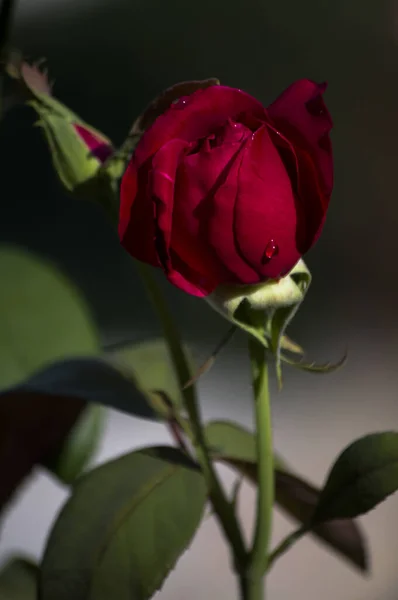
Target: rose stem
point(265, 467)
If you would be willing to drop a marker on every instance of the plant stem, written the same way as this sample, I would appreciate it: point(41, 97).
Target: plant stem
point(251, 589)
point(285, 544)
point(221, 505)
point(265, 463)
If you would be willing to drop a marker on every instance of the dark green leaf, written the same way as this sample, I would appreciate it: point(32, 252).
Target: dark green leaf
point(42, 317)
point(31, 426)
point(299, 498)
point(124, 527)
point(363, 476)
point(94, 381)
point(76, 452)
point(235, 446)
point(18, 580)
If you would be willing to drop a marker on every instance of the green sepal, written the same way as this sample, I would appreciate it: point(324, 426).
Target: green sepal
point(273, 303)
point(71, 157)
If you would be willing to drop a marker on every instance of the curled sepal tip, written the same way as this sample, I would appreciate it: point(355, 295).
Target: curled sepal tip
point(314, 367)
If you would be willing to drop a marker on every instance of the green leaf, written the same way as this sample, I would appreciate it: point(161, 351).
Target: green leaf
point(230, 441)
point(227, 439)
point(363, 476)
point(124, 527)
point(236, 446)
point(150, 366)
point(92, 380)
point(18, 580)
point(43, 318)
point(37, 416)
point(76, 452)
point(298, 498)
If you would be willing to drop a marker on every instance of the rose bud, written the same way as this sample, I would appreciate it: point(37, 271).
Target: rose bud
point(221, 190)
point(77, 149)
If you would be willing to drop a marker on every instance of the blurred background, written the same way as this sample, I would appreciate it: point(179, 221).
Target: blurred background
point(109, 59)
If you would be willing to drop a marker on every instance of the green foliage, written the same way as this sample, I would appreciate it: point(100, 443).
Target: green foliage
point(124, 527)
point(363, 476)
point(32, 425)
point(76, 452)
point(18, 580)
point(43, 318)
point(150, 366)
point(236, 446)
point(298, 499)
point(91, 380)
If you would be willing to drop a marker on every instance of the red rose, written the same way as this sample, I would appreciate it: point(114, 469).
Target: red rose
point(222, 190)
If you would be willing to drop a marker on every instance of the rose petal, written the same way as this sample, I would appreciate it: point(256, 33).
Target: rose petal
point(301, 115)
point(203, 212)
point(161, 190)
point(311, 203)
point(136, 217)
point(265, 212)
point(196, 116)
point(98, 148)
point(163, 193)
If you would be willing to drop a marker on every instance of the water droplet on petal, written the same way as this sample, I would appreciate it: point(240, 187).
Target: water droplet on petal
point(181, 102)
point(271, 250)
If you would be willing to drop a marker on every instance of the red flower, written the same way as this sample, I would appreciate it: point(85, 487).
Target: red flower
point(221, 190)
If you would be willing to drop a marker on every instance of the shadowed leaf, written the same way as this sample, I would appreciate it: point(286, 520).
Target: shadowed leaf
point(19, 580)
point(74, 454)
point(31, 426)
point(92, 380)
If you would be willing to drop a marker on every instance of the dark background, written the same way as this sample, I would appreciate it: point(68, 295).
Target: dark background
point(109, 60)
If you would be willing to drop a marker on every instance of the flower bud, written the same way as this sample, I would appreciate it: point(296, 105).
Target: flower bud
point(77, 149)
